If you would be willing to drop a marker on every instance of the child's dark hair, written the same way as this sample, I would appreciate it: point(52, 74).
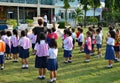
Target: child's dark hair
point(112, 33)
point(81, 30)
point(65, 31)
point(53, 29)
point(73, 30)
point(90, 28)
point(110, 28)
point(40, 37)
point(53, 43)
point(68, 32)
point(78, 28)
point(88, 33)
point(23, 33)
point(3, 32)
point(9, 33)
point(15, 32)
point(98, 30)
point(49, 30)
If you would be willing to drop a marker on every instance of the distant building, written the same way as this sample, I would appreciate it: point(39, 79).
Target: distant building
point(27, 9)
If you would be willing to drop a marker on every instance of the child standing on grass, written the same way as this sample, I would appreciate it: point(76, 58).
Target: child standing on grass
point(81, 40)
point(14, 45)
point(68, 45)
point(88, 46)
point(74, 37)
point(2, 51)
point(8, 45)
point(33, 38)
point(110, 55)
point(41, 49)
point(99, 42)
point(3, 35)
point(52, 64)
point(24, 44)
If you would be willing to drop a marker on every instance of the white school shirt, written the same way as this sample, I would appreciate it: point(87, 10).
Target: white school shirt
point(99, 39)
point(45, 18)
point(52, 53)
point(73, 35)
point(81, 37)
point(68, 43)
point(4, 37)
point(110, 41)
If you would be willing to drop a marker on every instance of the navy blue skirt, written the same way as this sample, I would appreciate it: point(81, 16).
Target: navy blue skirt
point(14, 50)
point(8, 50)
point(52, 64)
point(109, 55)
point(86, 50)
point(41, 62)
point(23, 53)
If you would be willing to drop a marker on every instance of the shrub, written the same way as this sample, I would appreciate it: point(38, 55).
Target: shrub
point(103, 23)
point(61, 24)
point(12, 22)
point(29, 21)
point(92, 20)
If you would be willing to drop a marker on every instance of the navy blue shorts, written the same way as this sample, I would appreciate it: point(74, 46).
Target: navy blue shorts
point(73, 41)
point(117, 48)
point(80, 43)
point(99, 46)
point(67, 53)
point(92, 46)
point(86, 50)
point(41, 62)
point(1, 59)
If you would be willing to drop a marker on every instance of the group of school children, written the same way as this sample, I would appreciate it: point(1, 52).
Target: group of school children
point(44, 46)
point(87, 42)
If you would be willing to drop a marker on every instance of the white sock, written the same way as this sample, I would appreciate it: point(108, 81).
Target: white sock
point(23, 65)
point(54, 78)
point(40, 76)
point(43, 76)
point(51, 80)
point(2, 66)
point(26, 65)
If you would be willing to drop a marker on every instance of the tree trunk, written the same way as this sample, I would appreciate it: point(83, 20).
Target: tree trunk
point(94, 16)
point(65, 15)
point(85, 19)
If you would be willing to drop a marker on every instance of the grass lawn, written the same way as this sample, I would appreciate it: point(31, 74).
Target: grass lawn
point(75, 72)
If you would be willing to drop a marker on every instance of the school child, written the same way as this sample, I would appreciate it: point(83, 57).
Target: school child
point(81, 40)
point(54, 34)
point(64, 37)
point(101, 32)
point(68, 45)
point(117, 45)
point(3, 35)
point(77, 34)
point(88, 46)
point(74, 37)
point(24, 45)
point(98, 42)
point(33, 38)
point(52, 64)
point(110, 55)
point(41, 49)
point(14, 45)
point(93, 42)
point(2, 53)
point(8, 45)
point(49, 36)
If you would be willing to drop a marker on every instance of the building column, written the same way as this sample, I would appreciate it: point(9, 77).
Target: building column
point(38, 9)
point(18, 15)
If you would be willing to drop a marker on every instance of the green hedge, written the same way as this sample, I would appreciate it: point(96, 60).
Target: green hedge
point(103, 23)
point(61, 24)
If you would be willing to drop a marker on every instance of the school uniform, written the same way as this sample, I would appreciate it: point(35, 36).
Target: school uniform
point(110, 55)
point(41, 54)
point(54, 35)
point(74, 37)
point(52, 64)
point(25, 44)
point(14, 44)
point(68, 45)
point(4, 38)
point(81, 39)
point(88, 45)
point(2, 50)
point(33, 40)
point(117, 43)
point(99, 41)
point(49, 37)
point(93, 40)
point(8, 45)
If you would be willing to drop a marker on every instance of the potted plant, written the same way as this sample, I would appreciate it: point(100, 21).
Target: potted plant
point(30, 22)
point(11, 23)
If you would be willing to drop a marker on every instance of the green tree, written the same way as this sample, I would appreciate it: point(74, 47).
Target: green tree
point(85, 4)
point(66, 7)
point(95, 4)
point(77, 15)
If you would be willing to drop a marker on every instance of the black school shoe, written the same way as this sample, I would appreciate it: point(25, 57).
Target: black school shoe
point(70, 61)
